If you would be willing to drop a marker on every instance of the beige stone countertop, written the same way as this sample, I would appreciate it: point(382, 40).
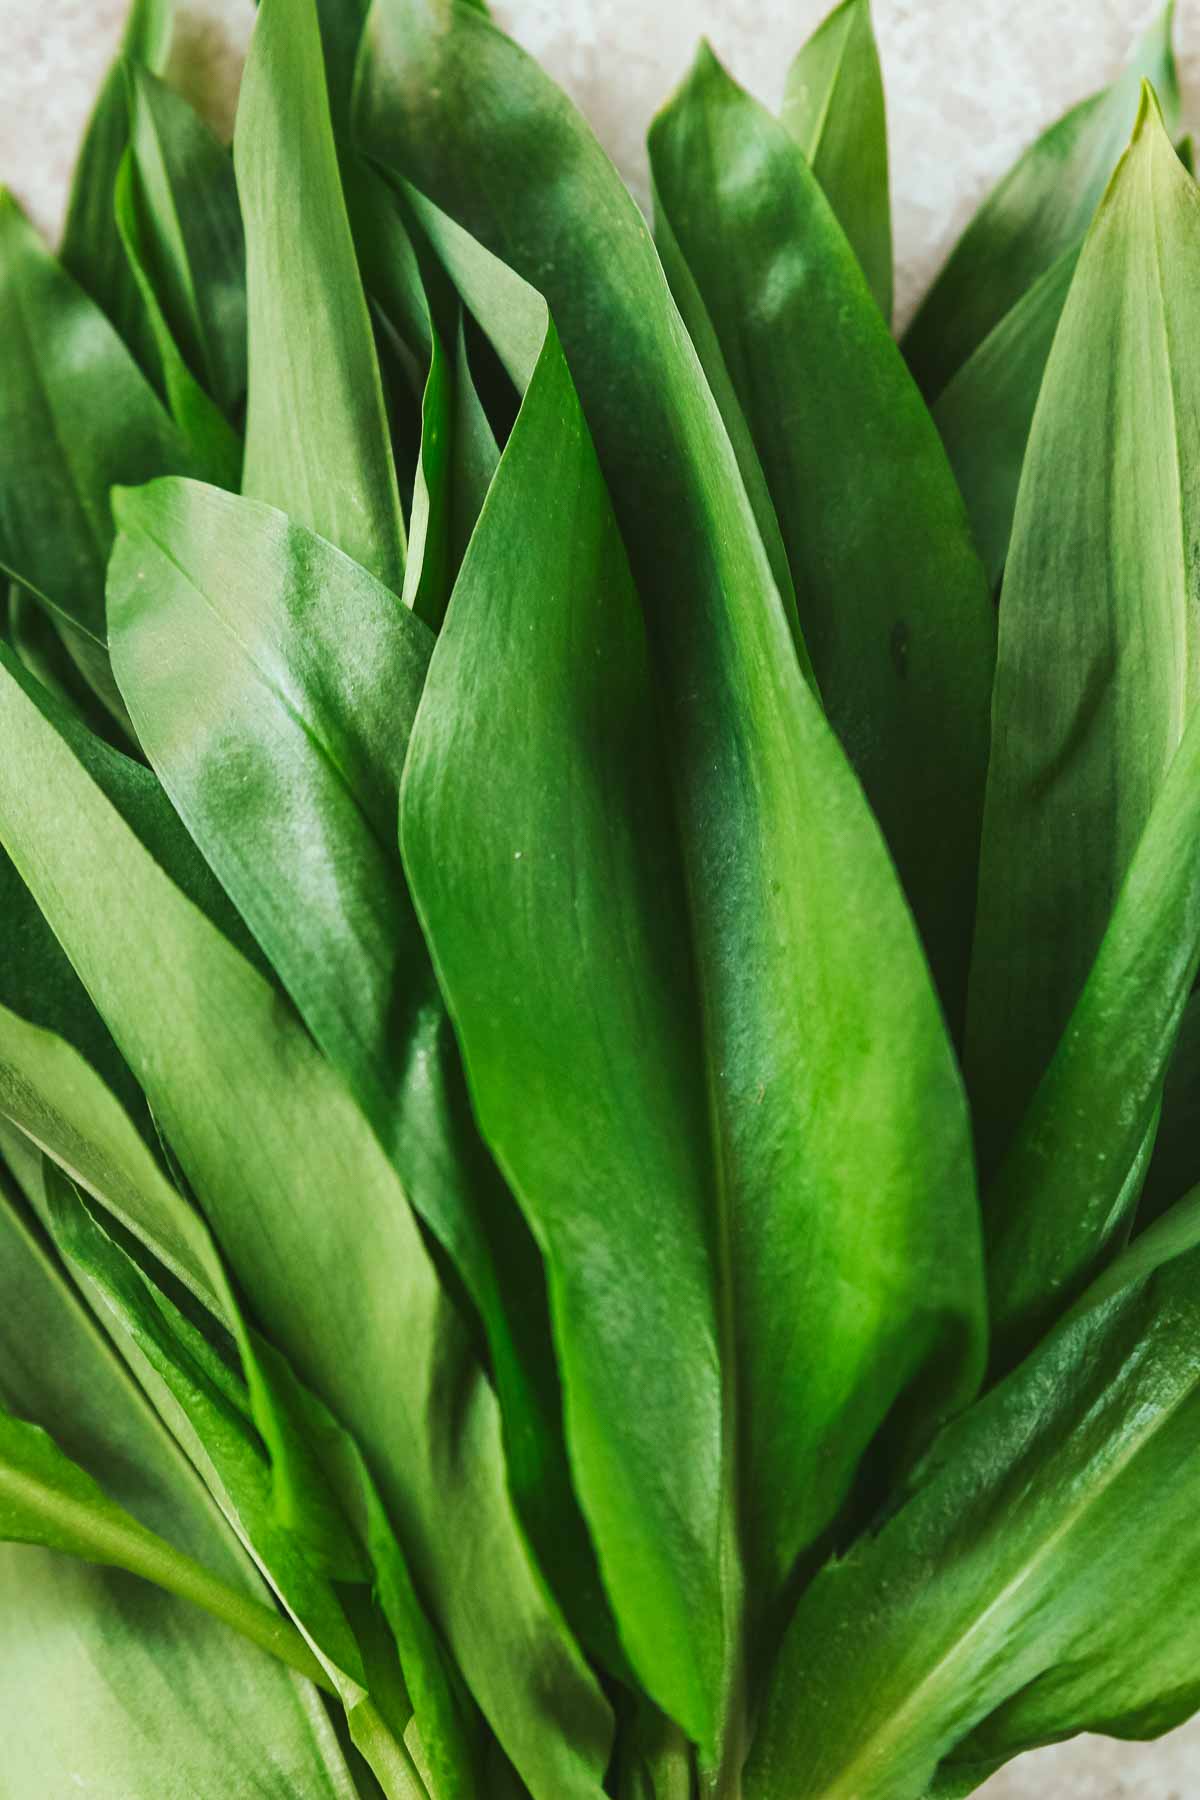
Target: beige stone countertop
point(968, 85)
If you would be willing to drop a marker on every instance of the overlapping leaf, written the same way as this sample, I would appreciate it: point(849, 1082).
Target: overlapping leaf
point(779, 857)
point(892, 601)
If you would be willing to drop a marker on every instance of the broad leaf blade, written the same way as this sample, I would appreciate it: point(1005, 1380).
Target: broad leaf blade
point(759, 787)
point(1040, 209)
point(892, 601)
point(980, 1621)
point(267, 1132)
point(317, 442)
point(1097, 672)
point(834, 108)
point(293, 662)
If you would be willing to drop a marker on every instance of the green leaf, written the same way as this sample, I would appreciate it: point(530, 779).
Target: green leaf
point(317, 442)
point(1038, 212)
point(148, 1690)
point(1067, 1189)
point(1096, 672)
point(314, 674)
point(194, 253)
point(892, 601)
point(833, 106)
point(981, 1620)
point(267, 1134)
point(76, 416)
point(47, 1499)
point(580, 899)
point(1175, 1164)
point(216, 450)
point(342, 23)
point(91, 249)
point(474, 452)
point(985, 411)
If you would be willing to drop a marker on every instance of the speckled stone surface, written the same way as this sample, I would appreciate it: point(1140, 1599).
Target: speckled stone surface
point(968, 85)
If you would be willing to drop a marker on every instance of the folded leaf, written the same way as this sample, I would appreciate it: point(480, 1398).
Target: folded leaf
point(296, 664)
point(274, 1145)
point(1038, 211)
point(149, 1689)
point(1097, 666)
point(985, 411)
point(195, 254)
point(91, 249)
point(892, 601)
point(76, 416)
point(317, 442)
point(981, 1620)
point(833, 106)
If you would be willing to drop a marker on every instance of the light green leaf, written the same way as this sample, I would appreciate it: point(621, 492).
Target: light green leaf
point(314, 672)
point(833, 106)
point(76, 416)
point(91, 250)
point(1038, 212)
point(270, 1137)
point(317, 442)
point(98, 1669)
point(981, 1620)
point(194, 253)
point(985, 411)
point(1097, 668)
point(892, 601)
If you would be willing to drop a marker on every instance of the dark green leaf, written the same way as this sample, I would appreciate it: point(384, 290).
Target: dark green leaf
point(1175, 1164)
point(833, 106)
point(893, 604)
point(317, 441)
point(1038, 212)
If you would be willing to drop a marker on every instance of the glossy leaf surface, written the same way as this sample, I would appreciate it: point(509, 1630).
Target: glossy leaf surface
point(892, 601)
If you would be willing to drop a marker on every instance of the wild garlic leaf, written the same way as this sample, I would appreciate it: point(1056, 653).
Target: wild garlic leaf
point(1036, 213)
point(80, 1641)
point(195, 253)
point(985, 411)
point(273, 1144)
point(1175, 1165)
point(317, 442)
point(755, 773)
point(833, 106)
point(76, 416)
point(980, 1621)
point(1097, 669)
point(892, 600)
point(312, 673)
point(1066, 1191)
point(91, 250)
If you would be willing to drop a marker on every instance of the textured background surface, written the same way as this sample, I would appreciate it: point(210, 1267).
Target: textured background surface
point(967, 87)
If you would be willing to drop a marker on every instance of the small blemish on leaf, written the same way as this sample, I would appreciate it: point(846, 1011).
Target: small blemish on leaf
point(898, 645)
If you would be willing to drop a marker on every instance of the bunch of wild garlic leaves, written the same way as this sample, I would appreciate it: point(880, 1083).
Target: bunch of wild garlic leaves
point(597, 1077)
